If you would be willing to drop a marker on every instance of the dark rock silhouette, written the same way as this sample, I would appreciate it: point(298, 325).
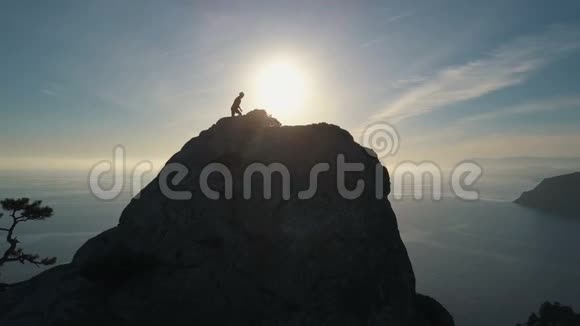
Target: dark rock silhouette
point(552, 314)
point(557, 195)
point(326, 260)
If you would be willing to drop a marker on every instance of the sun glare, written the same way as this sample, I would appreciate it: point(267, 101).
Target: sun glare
point(281, 88)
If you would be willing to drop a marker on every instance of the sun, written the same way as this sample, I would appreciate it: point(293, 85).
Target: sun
point(281, 88)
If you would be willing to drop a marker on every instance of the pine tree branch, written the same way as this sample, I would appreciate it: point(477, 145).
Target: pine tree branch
point(21, 210)
point(11, 240)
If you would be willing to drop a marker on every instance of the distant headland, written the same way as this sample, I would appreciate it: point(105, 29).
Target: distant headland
point(558, 195)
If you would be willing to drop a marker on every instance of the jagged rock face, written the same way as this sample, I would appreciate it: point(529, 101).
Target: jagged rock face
point(558, 195)
point(284, 260)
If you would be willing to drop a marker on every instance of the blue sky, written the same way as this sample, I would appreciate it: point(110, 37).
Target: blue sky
point(458, 79)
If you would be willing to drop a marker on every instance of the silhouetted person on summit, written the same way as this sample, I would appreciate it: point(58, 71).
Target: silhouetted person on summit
point(236, 105)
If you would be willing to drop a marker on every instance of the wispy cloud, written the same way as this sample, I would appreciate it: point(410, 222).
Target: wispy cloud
point(454, 145)
point(48, 92)
point(560, 144)
point(400, 16)
point(53, 89)
point(543, 105)
point(389, 20)
point(508, 65)
point(374, 42)
point(413, 80)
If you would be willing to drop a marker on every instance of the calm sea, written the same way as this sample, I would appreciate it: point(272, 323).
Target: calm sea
point(490, 262)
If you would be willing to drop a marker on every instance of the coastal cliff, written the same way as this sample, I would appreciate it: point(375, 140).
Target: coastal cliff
point(557, 195)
